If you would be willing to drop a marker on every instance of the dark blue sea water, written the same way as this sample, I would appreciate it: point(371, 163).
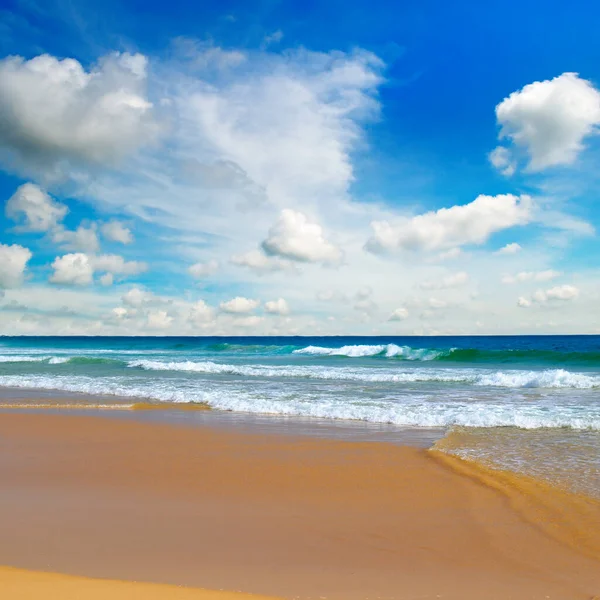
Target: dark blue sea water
point(526, 388)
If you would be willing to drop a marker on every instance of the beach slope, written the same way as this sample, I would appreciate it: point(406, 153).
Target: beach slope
point(292, 517)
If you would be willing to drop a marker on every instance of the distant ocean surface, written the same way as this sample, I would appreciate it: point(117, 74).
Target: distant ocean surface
point(527, 403)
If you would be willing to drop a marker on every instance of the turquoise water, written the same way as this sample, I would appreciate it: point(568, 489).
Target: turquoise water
point(526, 382)
point(542, 389)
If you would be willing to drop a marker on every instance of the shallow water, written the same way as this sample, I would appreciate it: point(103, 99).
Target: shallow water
point(527, 403)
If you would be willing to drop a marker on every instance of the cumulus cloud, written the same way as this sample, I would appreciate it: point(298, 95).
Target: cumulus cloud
point(559, 293)
point(53, 110)
point(549, 121)
point(200, 313)
point(251, 321)
point(509, 249)
point(524, 276)
point(83, 239)
point(239, 305)
point(158, 319)
point(296, 238)
point(277, 307)
point(13, 262)
point(72, 269)
point(33, 209)
point(79, 268)
point(450, 254)
point(449, 281)
point(258, 261)
point(203, 269)
point(115, 231)
point(120, 312)
point(459, 225)
point(501, 158)
point(117, 265)
point(400, 314)
point(136, 297)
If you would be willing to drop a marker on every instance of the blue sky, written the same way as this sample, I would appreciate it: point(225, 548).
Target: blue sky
point(298, 167)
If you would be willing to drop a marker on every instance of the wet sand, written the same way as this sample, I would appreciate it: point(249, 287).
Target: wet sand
point(286, 516)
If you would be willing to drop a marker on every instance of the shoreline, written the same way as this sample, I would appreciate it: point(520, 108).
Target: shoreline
point(280, 515)
point(33, 401)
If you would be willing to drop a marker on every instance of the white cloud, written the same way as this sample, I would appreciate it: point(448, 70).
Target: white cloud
point(136, 297)
point(559, 293)
point(251, 321)
point(115, 231)
point(509, 249)
point(83, 239)
point(239, 305)
point(501, 158)
point(450, 254)
point(117, 265)
point(277, 307)
point(205, 269)
point(296, 238)
point(34, 209)
point(13, 262)
point(400, 314)
point(471, 223)
point(258, 261)
point(119, 312)
point(524, 276)
point(204, 55)
point(289, 121)
point(436, 303)
point(72, 269)
point(53, 110)
point(549, 121)
point(158, 319)
point(200, 313)
point(449, 281)
point(79, 268)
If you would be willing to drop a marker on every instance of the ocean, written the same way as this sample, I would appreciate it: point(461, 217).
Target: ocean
point(529, 404)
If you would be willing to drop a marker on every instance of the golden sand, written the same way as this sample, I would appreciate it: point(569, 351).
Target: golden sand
point(283, 516)
point(18, 584)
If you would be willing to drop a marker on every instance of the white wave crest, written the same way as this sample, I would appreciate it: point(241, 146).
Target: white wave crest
point(309, 372)
point(552, 378)
point(414, 410)
point(14, 358)
point(387, 350)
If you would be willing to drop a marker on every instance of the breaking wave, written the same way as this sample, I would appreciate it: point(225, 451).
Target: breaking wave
point(412, 411)
point(550, 378)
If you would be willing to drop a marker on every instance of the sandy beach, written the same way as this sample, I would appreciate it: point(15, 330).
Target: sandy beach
point(283, 516)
